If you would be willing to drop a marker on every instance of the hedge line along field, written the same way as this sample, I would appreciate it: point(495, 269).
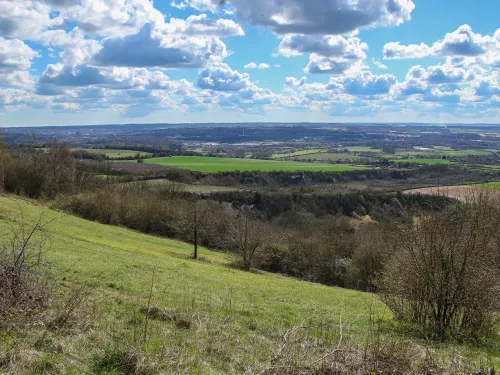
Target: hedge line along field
point(112, 154)
point(210, 318)
point(213, 165)
point(422, 161)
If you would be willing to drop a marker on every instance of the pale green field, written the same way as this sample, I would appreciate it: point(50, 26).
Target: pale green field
point(362, 149)
point(113, 154)
point(213, 165)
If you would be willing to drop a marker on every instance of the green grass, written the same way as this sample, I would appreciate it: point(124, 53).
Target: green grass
point(297, 153)
point(113, 154)
point(362, 149)
point(422, 161)
point(489, 185)
point(327, 156)
point(238, 318)
point(445, 153)
point(210, 165)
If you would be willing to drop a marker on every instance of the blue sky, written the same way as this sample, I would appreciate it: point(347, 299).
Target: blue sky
point(71, 62)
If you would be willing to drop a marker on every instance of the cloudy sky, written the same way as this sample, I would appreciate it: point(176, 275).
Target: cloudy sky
point(135, 61)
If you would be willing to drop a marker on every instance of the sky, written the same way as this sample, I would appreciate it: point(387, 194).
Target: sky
point(85, 62)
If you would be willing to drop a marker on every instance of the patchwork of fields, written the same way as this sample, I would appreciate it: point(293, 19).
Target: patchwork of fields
point(212, 165)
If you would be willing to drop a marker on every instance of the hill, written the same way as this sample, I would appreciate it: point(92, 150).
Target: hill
point(202, 316)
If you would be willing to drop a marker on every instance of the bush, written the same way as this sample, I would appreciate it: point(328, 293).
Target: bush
point(444, 272)
point(24, 284)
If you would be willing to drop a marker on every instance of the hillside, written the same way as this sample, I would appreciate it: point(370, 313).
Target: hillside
point(213, 318)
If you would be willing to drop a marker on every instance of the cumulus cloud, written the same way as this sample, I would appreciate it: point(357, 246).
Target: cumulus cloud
point(313, 16)
point(15, 59)
point(203, 26)
point(222, 78)
point(150, 48)
point(395, 50)
point(365, 83)
point(325, 65)
point(462, 42)
point(251, 65)
point(379, 64)
point(292, 81)
point(324, 45)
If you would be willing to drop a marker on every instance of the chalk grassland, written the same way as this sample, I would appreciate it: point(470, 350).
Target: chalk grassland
point(208, 164)
point(113, 154)
point(239, 316)
point(218, 320)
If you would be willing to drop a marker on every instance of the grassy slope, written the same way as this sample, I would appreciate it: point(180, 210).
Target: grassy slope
point(120, 263)
point(208, 164)
point(241, 315)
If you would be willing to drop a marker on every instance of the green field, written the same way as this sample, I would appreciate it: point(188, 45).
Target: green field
point(422, 161)
point(329, 156)
point(362, 149)
point(489, 185)
point(445, 153)
point(235, 319)
point(208, 164)
point(113, 154)
point(297, 153)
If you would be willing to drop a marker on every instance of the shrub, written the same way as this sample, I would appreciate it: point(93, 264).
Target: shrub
point(444, 271)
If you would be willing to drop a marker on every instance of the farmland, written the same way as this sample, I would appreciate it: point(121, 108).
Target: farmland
point(213, 165)
point(423, 161)
point(113, 154)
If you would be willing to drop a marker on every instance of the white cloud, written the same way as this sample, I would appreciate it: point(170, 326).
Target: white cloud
point(201, 25)
point(325, 65)
point(323, 45)
point(151, 48)
point(222, 78)
point(379, 65)
point(395, 50)
point(15, 59)
point(264, 66)
point(313, 16)
point(462, 42)
point(251, 65)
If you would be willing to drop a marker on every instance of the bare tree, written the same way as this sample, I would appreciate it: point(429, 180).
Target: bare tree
point(246, 236)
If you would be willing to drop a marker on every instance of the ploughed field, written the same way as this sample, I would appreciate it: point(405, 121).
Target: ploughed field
point(214, 164)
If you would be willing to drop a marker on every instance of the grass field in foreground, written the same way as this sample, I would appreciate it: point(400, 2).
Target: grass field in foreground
point(208, 164)
point(238, 318)
point(113, 154)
